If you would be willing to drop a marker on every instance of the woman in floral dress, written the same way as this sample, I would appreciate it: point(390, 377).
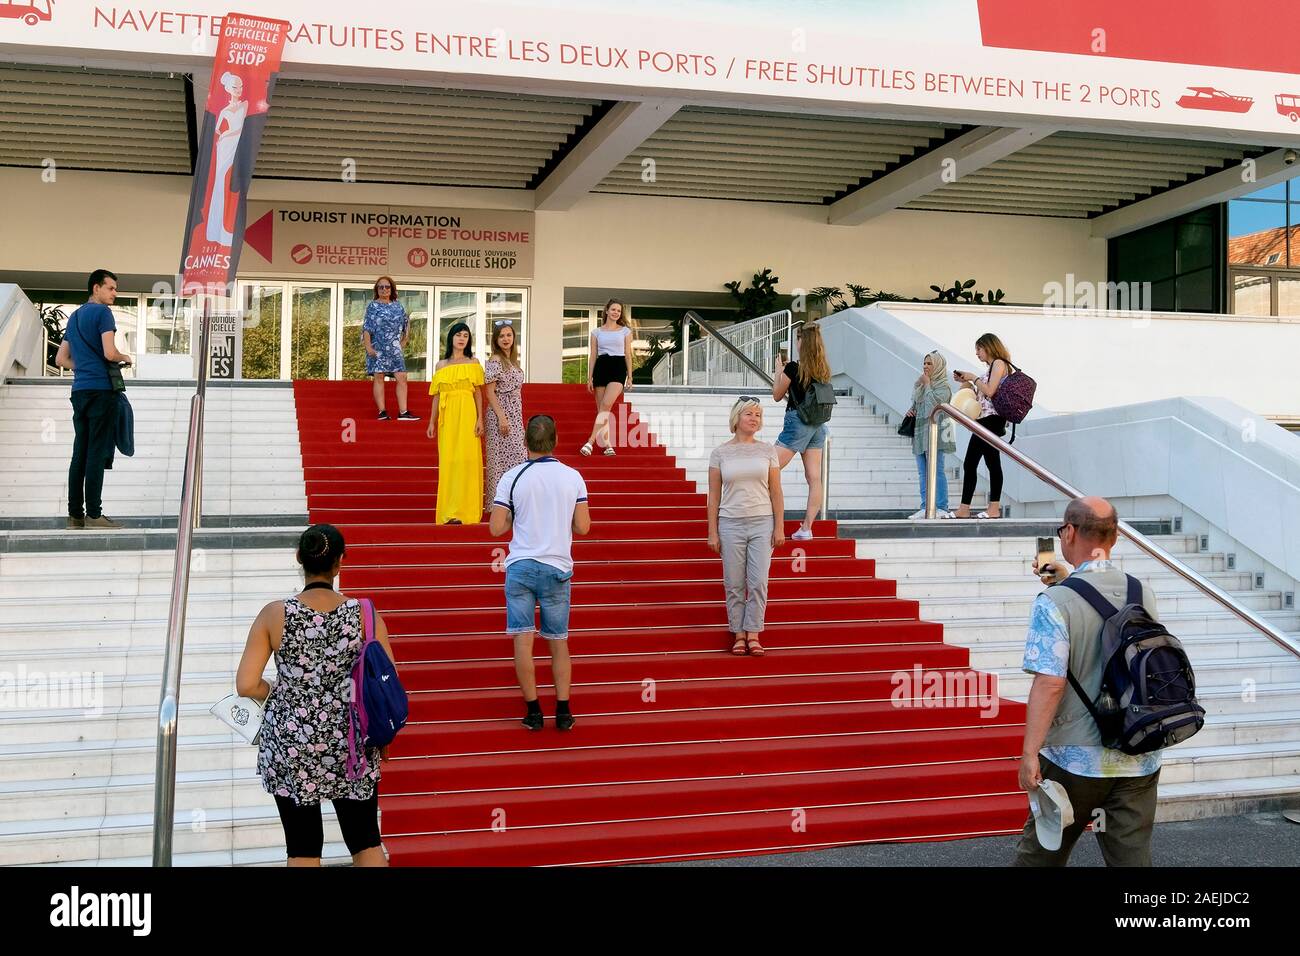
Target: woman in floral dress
point(505, 415)
point(384, 332)
point(303, 753)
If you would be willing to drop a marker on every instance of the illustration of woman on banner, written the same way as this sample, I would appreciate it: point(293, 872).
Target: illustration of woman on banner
point(222, 204)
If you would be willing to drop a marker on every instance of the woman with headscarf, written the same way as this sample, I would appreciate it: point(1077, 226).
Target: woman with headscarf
point(930, 391)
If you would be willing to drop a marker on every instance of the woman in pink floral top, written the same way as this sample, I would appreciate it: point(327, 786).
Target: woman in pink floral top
point(505, 416)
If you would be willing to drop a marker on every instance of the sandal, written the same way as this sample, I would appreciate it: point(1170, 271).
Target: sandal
point(585, 450)
point(755, 648)
point(609, 451)
point(738, 648)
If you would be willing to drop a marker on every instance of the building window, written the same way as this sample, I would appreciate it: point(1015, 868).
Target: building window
point(1177, 263)
point(576, 346)
point(1264, 251)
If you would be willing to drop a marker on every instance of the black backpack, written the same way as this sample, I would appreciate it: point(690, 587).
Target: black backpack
point(1148, 691)
point(817, 405)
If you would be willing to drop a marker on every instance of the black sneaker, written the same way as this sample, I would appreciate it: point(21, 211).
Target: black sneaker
point(384, 417)
point(564, 721)
point(408, 417)
point(532, 721)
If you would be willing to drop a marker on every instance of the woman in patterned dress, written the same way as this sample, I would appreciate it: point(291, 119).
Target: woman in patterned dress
point(303, 753)
point(384, 333)
point(505, 416)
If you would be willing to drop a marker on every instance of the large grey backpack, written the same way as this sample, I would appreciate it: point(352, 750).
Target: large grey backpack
point(1148, 691)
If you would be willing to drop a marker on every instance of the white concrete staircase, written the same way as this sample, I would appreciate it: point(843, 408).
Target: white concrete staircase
point(981, 589)
point(872, 467)
point(76, 784)
point(252, 463)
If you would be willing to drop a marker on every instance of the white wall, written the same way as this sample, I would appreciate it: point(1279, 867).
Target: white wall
point(1086, 360)
point(22, 336)
point(133, 223)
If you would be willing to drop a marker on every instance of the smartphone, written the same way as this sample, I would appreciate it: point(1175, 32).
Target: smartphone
point(1044, 553)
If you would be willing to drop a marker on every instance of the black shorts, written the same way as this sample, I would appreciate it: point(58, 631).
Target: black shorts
point(304, 831)
point(609, 369)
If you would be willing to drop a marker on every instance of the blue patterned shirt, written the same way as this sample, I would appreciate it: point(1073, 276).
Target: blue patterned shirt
point(1047, 651)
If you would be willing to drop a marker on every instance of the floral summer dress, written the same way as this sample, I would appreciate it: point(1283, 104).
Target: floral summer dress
point(303, 752)
point(385, 321)
point(503, 451)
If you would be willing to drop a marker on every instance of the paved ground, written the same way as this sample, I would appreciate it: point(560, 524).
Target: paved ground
point(1257, 839)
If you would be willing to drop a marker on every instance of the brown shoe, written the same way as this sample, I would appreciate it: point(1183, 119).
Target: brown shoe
point(76, 524)
point(103, 523)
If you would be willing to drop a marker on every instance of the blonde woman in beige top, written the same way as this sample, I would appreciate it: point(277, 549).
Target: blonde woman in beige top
point(746, 508)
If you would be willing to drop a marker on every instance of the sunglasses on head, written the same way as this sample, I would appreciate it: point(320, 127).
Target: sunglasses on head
point(500, 322)
point(746, 398)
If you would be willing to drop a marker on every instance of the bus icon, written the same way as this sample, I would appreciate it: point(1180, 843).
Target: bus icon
point(31, 12)
point(1288, 104)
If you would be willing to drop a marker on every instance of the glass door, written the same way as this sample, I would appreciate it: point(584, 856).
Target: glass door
point(354, 300)
point(311, 318)
point(263, 307)
point(481, 309)
point(577, 345)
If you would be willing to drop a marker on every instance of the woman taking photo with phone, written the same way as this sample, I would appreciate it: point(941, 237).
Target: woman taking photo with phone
point(745, 511)
point(457, 422)
point(792, 384)
point(610, 375)
point(989, 350)
point(504, 380)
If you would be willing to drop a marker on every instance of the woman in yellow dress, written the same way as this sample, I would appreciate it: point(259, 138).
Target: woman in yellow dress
point(457, 421)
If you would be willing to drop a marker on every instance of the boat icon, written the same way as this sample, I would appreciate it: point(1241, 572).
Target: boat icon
point(1210, 98)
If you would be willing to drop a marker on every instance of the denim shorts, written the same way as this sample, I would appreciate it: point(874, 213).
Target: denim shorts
point(798, 436)
point(530, 584)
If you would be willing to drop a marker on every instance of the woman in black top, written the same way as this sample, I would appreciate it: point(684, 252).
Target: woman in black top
point(990, 350)
point(792, 384)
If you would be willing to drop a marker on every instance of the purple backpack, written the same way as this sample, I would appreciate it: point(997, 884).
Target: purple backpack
point(1015, 396)
point(380, 707)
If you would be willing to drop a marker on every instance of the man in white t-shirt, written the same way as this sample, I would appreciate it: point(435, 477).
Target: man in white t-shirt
point(545, 502)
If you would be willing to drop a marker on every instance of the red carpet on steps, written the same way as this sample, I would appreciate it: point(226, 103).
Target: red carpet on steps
point(680, 750)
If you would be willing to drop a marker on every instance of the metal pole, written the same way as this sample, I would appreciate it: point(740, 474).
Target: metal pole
point(932, 469)
point(686, 349)
point(164, 804)
point(826, 475)
point(1144, 543)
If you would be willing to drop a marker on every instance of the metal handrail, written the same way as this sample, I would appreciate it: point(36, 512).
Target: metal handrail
point(1202, 583)
point(164, 785)
point(692, 316)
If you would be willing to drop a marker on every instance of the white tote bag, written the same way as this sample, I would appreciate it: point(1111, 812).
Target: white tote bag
point(243, 715)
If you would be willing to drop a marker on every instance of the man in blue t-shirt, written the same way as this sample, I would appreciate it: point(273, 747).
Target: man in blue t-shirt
point(87, 348)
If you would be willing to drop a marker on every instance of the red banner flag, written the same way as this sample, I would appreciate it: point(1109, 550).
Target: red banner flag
point(243, 76)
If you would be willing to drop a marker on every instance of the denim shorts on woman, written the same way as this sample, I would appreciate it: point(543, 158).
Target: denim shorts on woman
point(798, 436)
point(530, 584)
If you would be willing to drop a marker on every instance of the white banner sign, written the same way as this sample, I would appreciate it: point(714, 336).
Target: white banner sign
point(1194, 65)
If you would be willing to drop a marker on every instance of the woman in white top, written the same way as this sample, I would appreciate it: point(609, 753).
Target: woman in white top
point(609, 370)
point(746, 508)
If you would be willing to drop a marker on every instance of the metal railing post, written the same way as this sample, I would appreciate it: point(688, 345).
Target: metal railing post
point(164, 804)
point(686, 349)
point(826, 475)
point(1144, 543)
